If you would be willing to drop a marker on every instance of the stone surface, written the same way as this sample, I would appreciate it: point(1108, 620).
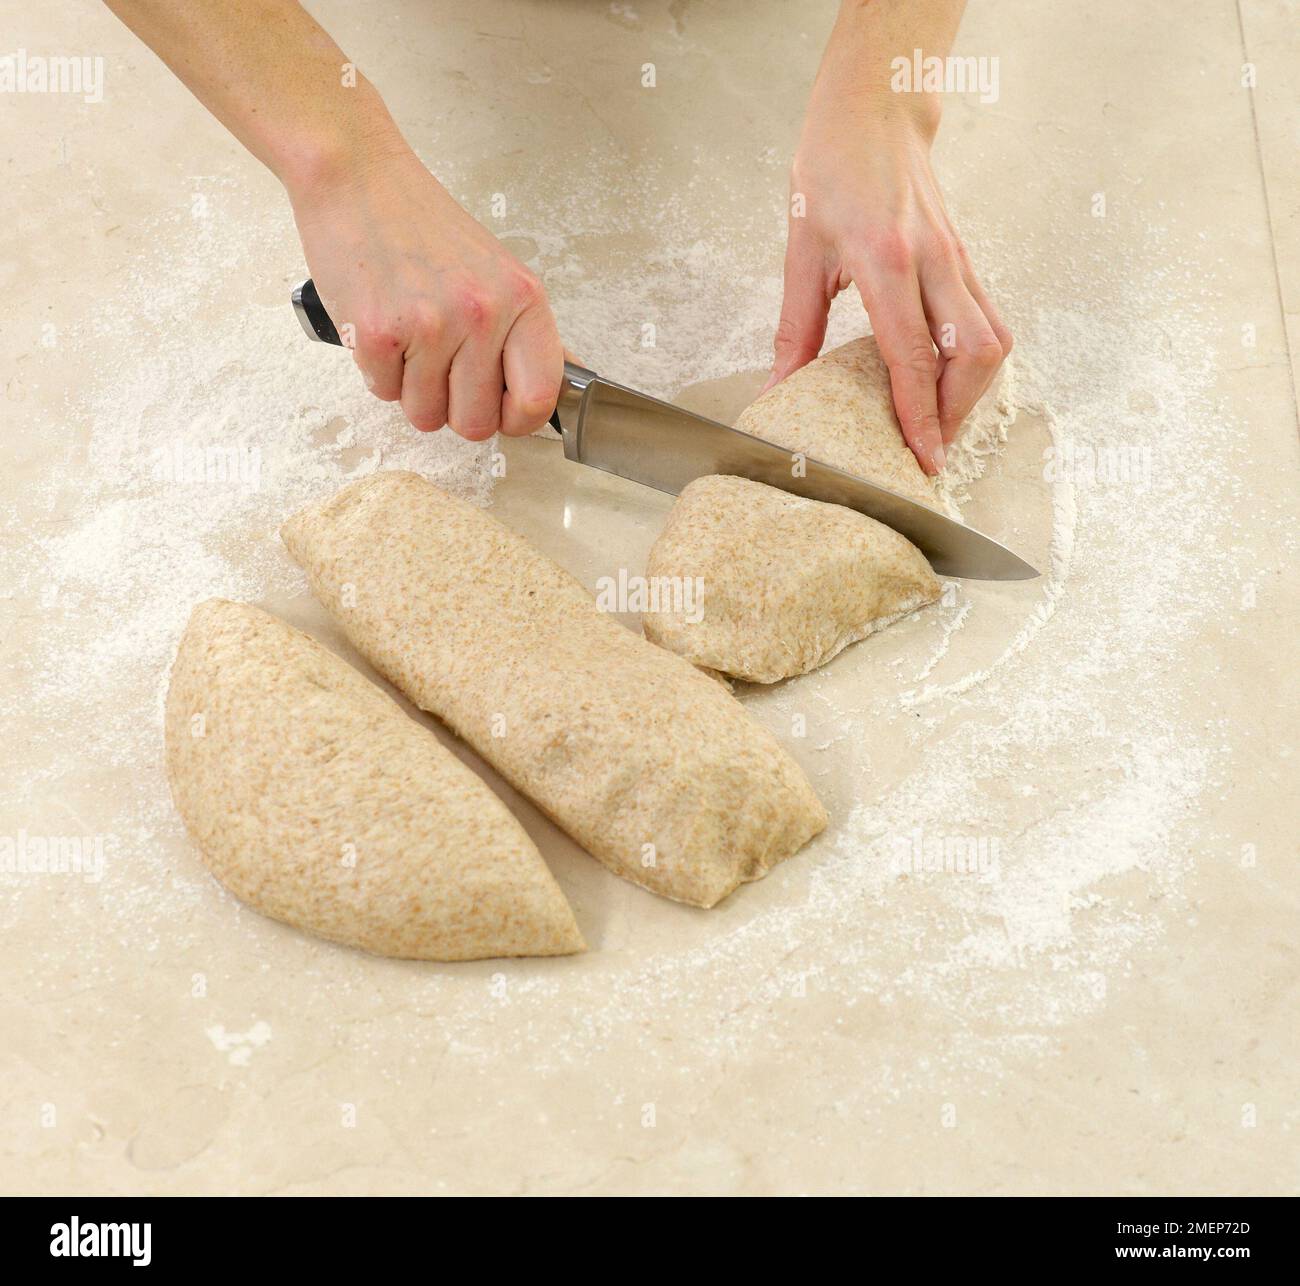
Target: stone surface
point(1107, 1006)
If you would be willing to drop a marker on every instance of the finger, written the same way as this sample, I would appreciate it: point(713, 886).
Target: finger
point(805, 302)
point(379, 356)
point(970, 350)
point(424, 387)
point(892, 297)
point(475, 389)
point(533, 364)
point(980, 296)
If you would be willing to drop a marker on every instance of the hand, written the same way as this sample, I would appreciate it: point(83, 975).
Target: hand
point(874, 217)
point(442, 317)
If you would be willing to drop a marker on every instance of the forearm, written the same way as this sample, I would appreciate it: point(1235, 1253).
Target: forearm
point(857, 69)
point(274, 78)
point(440, 316)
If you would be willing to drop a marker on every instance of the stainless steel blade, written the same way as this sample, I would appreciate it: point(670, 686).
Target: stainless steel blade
point(663, 446)
point(621, 431)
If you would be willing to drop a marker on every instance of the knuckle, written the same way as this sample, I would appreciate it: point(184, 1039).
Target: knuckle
point(918, 358)
point(424, 408)
point(940, 250)
point(477, 307)
point(525, 290)
point(986, 352)
point(787, 334)
point(793, 342)
point(521, 424)
point(378, 381)
point(536, 404)
point(378, 338)
point(890, 248)
point(427, 323)
point(922, 424)
point(477, 427)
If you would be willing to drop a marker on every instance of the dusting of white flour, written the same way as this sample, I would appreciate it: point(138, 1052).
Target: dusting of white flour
point(1009, 747)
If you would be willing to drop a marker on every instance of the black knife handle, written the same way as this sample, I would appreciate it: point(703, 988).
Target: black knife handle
point(311, 313)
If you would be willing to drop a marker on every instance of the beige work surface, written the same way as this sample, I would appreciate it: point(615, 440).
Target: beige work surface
point(1107, 1002)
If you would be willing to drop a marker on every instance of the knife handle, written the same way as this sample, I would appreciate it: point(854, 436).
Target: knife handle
point(319, 327)
point(312, 315)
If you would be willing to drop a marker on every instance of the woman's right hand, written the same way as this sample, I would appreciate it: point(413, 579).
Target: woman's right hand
point(438, 313)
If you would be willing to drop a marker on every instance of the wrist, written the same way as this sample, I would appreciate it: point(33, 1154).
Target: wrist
point(911, 116)
point(871, 121)
point(333, 154)
point(858, 76)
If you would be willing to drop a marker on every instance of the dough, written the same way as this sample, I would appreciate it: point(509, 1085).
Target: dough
point(317, 801)
point(655, 769)
point(787, 582)
point(839, 409)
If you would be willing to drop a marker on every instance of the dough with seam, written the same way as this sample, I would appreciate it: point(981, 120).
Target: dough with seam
point(654, 768)
point(314, 798)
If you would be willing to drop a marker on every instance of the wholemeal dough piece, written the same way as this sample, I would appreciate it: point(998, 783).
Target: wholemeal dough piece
point(316, 800)
point(839, 409)
point(655, 769)
point(787, 582)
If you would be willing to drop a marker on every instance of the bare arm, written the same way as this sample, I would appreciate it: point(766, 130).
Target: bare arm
point(445, 319)
point(873, 216)
point(272, 76)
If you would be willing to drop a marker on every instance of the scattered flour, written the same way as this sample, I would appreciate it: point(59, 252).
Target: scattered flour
point(238, 1046)
point(1013, 751)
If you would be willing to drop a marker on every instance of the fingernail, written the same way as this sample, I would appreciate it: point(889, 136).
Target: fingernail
point(369, 382)
point(939, 456)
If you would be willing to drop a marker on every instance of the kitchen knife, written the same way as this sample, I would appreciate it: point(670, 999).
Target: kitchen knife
point(621, 431)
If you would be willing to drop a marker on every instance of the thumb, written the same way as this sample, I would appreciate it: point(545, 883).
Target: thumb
point(804, 306)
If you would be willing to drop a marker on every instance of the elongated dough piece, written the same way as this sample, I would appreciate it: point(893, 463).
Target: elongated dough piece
point(839, 409)
point(653, 768)
point(787, 583)
point(314, 799)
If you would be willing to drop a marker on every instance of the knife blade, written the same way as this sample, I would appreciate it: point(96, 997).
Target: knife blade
point(616, 429)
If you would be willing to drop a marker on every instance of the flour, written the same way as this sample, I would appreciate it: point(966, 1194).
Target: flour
point(1064, 516)
point(239, 1046)
point(982, 436)
point(951, 624)
point(180, 464)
